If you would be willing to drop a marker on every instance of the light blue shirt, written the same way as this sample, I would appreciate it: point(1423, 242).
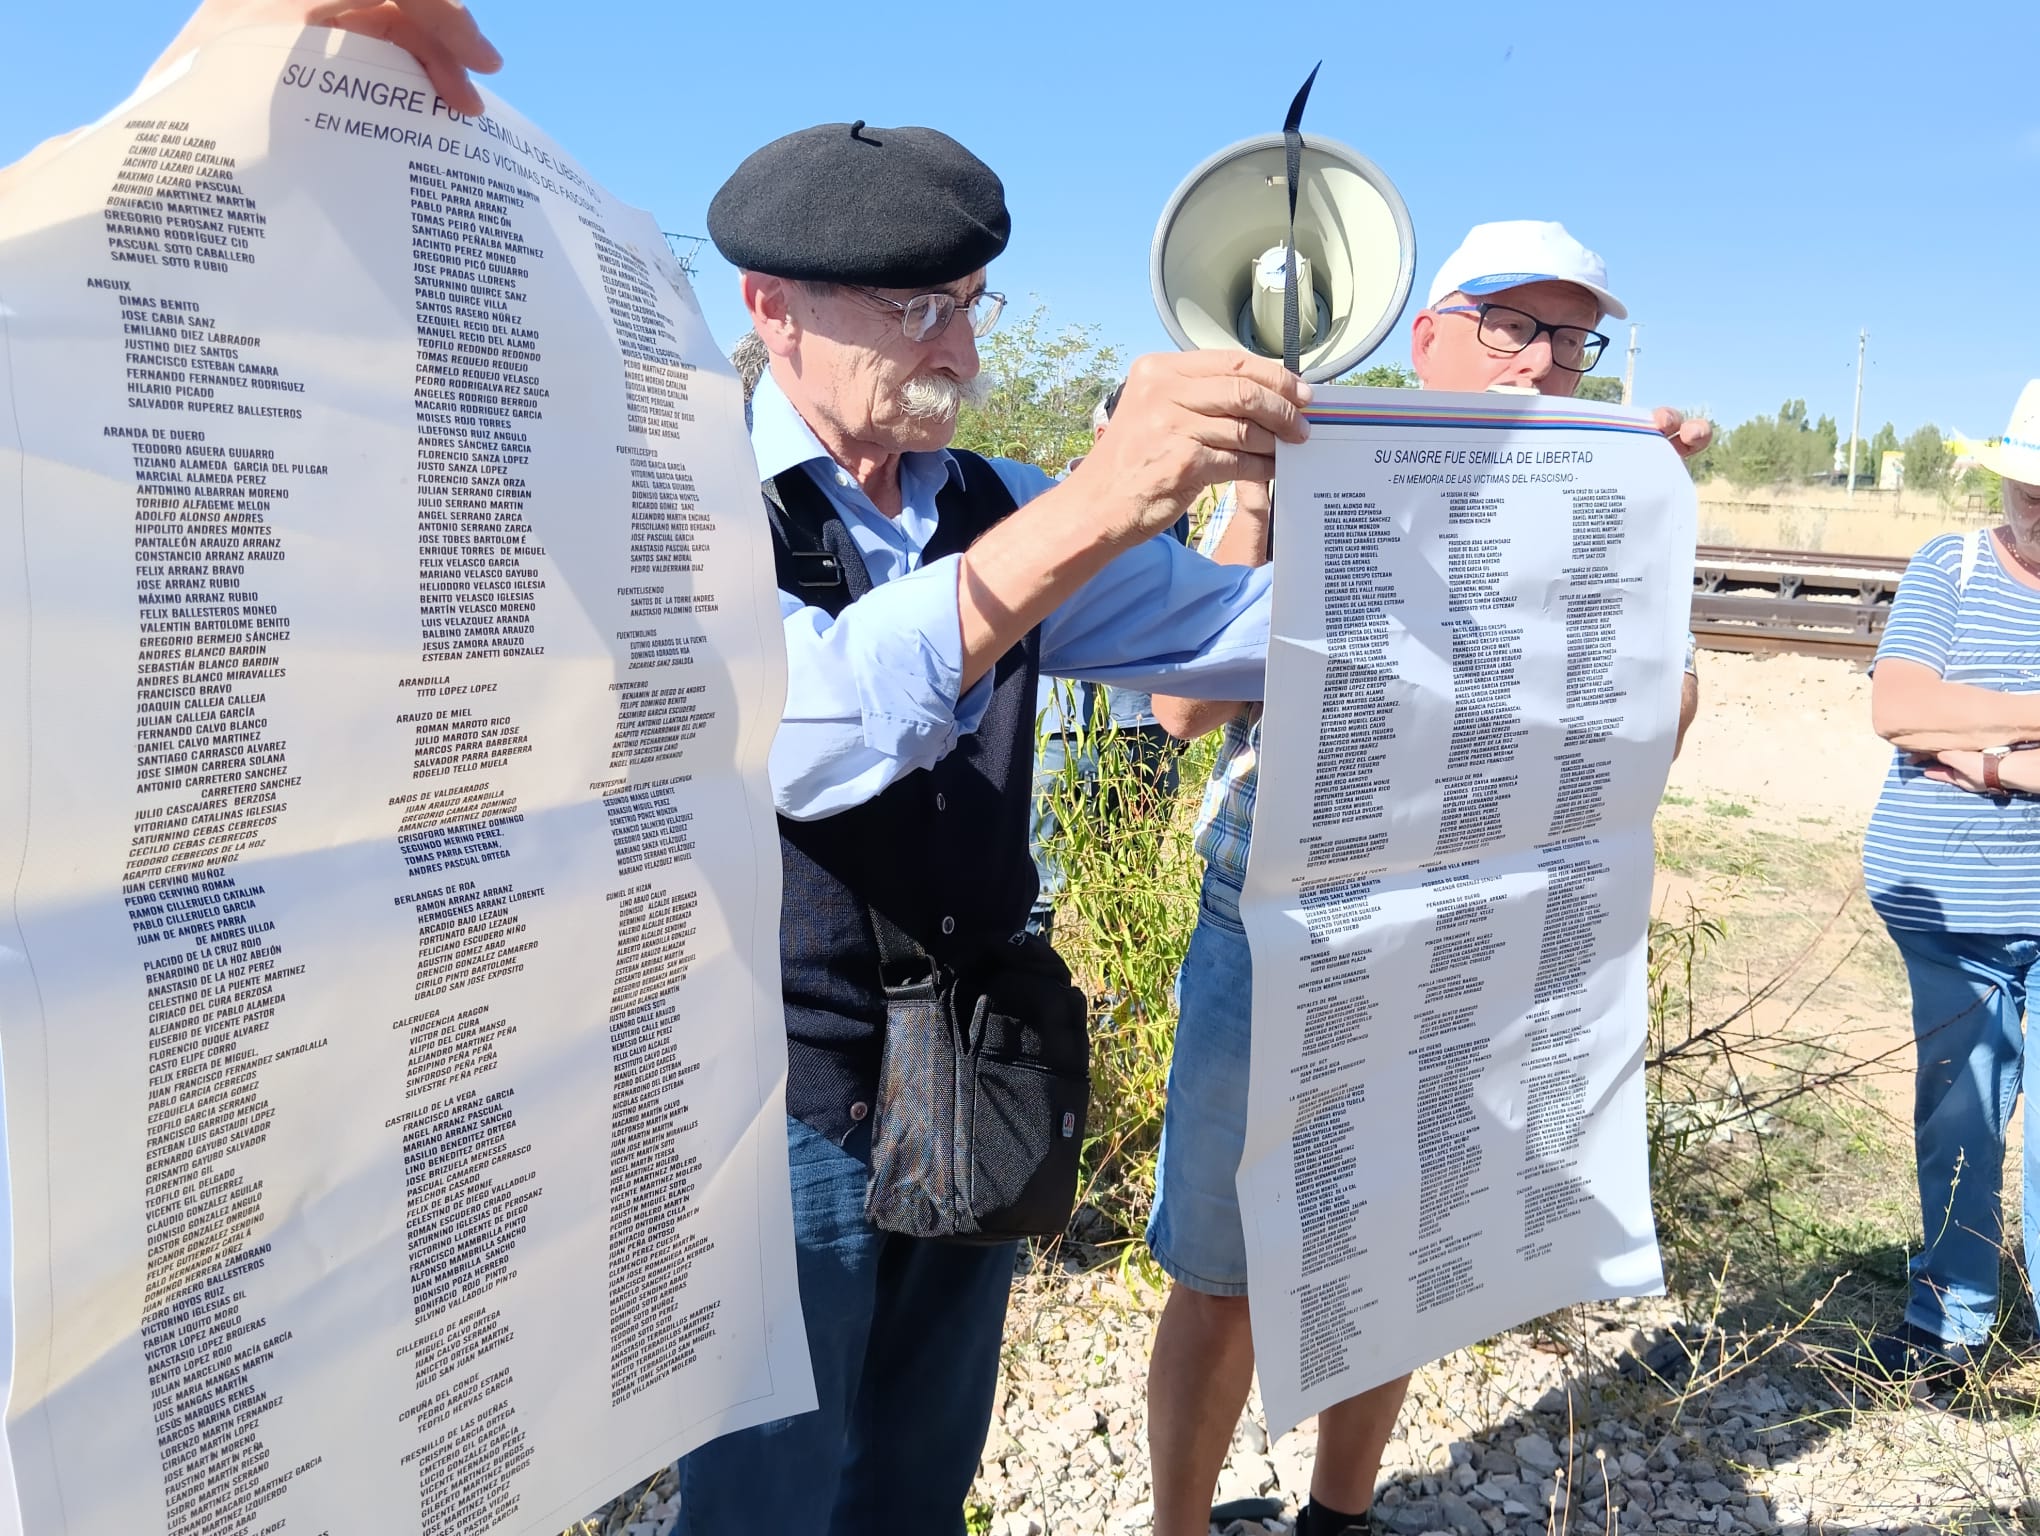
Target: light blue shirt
point(876, 693)
point(1129, 708)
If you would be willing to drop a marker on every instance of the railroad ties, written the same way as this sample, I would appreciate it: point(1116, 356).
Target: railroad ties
point(1770, 600)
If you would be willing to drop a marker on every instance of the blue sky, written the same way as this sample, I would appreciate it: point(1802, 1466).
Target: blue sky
point(1762, 178)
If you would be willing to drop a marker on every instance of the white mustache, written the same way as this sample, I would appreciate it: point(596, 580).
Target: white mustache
point(937, 397)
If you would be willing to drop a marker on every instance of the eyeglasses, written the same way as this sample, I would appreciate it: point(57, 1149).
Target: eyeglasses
point(927, 316)
point(1573, 347)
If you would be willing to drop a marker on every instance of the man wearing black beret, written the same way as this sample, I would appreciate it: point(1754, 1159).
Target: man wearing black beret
point(940, 589)
point(923, 592)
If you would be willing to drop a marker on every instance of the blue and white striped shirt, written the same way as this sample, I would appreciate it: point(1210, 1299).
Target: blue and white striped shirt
point(1935, 856)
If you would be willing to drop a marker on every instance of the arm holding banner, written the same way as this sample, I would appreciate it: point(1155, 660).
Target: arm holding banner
point(392, 846)
point(440, 34)
point(1239, 536)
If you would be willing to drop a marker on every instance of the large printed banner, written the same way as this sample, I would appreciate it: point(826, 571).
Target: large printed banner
point(388, 879)
point(1480, 613)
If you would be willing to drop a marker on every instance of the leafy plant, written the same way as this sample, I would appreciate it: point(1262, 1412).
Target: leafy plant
point(1045, 383)
point(1123, 922)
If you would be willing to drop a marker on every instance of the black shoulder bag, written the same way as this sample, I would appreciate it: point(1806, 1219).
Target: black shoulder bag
point(983, 1093)
point(985, 1079)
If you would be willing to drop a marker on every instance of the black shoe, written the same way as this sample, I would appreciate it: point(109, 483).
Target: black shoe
point(1911, 1354)
point(1223, 1515)
point(1367, 1527)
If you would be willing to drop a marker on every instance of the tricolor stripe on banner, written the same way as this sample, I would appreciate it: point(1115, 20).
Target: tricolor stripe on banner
point(1332, 414)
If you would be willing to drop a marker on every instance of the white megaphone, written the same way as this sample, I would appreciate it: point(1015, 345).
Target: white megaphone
point(1219, 264)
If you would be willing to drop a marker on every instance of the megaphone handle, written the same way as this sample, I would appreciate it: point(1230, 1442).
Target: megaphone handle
point(1292, 139)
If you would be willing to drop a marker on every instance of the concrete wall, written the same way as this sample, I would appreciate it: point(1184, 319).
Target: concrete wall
point(1873, 523)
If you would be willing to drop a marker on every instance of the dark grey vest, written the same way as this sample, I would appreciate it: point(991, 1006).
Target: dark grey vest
point(942, 852)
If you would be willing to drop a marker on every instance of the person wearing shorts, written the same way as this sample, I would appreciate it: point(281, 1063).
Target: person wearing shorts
point(1515, 305)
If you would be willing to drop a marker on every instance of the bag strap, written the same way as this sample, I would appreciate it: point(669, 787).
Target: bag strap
point(814, 556)
point(906, 970)
point(909, 972)
point(1973, 551)
point(813, 553)
point(818, 561)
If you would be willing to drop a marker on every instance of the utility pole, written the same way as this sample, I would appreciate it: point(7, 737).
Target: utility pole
point(685, 248)
point(1856, 419)
point(1629, 374)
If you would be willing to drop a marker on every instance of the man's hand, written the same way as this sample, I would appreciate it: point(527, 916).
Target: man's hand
point(1687, 437)
point(439, 34)
point(1186, 421)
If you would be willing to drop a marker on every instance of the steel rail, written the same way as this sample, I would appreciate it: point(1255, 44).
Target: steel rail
point(1769, 615)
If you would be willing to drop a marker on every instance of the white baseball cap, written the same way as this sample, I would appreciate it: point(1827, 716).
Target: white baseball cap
point(2016, 455)
point(1518, 251)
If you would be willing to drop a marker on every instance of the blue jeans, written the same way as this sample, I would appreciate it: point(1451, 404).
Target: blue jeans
point(1051, 755)
point(1969, 1005)
point(1195, 1231)
point(905, 1335)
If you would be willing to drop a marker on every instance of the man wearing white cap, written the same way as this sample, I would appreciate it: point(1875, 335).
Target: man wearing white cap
point(1951, 862)
point(1515, 306)
point(1541, 272)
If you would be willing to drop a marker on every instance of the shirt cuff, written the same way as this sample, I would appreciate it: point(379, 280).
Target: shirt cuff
point(907, 658)
point(970, 709)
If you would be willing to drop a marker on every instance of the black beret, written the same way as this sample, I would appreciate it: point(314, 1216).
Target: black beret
point(847, 203)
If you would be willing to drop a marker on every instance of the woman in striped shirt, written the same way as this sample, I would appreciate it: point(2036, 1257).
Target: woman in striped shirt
point(1951, 861)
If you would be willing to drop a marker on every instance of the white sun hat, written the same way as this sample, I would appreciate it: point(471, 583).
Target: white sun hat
point(2016, 455)
point(1518, 251)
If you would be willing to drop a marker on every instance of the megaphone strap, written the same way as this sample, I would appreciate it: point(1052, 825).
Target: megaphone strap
point(1292, 139)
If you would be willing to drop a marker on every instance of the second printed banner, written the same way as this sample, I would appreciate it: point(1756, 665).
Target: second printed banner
point(1473, 687)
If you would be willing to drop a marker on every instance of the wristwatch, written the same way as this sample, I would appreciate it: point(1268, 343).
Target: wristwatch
point(1993, 757)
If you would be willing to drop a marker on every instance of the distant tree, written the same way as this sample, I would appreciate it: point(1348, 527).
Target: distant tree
point(1884, 442)
point(1600, 386)
point(1380, 376)
point(1787, 449)
point(1045, 384)
point(1828, 435)
point(1927, 459)
point(1759, 452)
point(1706, 464)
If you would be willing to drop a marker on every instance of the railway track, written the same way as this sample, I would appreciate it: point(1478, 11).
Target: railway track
point(1792, 600)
